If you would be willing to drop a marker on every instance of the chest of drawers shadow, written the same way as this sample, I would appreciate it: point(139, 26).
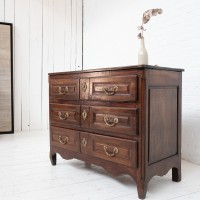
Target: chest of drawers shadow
point(125, 119)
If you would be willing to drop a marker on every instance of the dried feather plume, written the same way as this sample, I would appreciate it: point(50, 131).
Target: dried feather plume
point(146, 17)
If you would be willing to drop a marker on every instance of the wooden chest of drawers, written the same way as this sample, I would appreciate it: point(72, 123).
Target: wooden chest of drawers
point(125, 119)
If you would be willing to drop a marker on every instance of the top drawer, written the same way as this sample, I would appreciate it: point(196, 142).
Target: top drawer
point(116, 88)
point(67, 89)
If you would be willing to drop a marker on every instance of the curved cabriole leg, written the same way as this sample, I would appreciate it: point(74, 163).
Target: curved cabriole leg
point(176, 174)
point(53, 158)
point(142, 189)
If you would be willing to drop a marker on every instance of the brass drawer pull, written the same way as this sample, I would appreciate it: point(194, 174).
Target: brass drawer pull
point(84, 87)
point(63, 141)
point(110, 120)
point(111, 152)
point(63, 116)
point(84, 142)
point(63, 90)
point(111, 90)
point(84, 115)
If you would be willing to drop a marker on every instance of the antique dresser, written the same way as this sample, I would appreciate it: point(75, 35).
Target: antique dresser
point(125, 119)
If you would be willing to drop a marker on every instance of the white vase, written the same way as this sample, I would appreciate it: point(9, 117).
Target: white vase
point(142, 54)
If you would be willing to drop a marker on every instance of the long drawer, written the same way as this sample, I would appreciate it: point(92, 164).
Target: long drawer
point(114, 88)
point(116, 150)
point(114, 119)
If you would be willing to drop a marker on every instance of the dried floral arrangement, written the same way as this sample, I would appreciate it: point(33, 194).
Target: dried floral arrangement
point(146, 17)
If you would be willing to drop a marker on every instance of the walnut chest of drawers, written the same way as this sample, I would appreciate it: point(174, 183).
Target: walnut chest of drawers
point(125, 119)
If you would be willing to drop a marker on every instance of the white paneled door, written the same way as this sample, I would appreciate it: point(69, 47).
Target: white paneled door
point(47, 38)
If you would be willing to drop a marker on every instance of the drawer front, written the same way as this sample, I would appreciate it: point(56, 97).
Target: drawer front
point(116, 150)
point(117, 120)
point(65, 114)
point(116, 88)
point(67, 89)
point(65, 138)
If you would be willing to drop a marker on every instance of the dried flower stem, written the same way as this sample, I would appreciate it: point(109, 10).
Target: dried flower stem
point(146, 17)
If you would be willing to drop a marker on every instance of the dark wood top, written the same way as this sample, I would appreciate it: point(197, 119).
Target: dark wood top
point(119, 68)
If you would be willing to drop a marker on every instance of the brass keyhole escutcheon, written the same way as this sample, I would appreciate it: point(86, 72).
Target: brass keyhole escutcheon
point(84, 142)
point(84, 87)
point(84, 115)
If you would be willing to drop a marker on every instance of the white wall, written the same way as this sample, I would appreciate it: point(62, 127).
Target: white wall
point(47, 38)
point(172, 40)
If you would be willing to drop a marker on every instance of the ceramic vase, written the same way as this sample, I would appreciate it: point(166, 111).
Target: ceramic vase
point(142, 54)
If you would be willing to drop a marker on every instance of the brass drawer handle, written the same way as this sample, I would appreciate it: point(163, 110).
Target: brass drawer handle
point(84, 87)
point(63, 90)
point(84, 142)
point(63, 116)
point(111, 90)
point(111, 152)
point(84, 115)
point(110, 120)
point(63, 141)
